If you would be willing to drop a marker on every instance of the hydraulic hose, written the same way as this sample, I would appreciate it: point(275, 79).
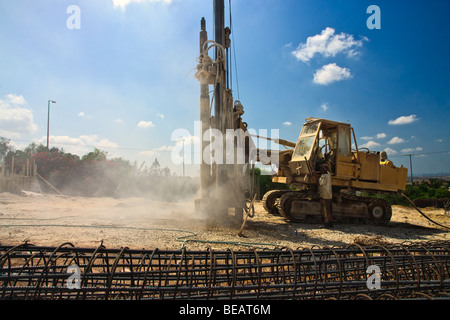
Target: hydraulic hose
point(423, 214)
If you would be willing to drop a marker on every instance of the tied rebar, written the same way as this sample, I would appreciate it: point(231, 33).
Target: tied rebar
point(403, 271)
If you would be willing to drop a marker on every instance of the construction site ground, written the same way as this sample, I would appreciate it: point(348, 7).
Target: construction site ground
point(139, 223)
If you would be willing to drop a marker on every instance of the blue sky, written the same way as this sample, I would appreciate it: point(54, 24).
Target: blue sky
point(124, 81)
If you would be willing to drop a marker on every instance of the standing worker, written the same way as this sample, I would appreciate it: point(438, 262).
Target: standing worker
point(326, 195)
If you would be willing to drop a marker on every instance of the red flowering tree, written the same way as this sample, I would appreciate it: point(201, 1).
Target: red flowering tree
point(92, 175)
point(56, 166)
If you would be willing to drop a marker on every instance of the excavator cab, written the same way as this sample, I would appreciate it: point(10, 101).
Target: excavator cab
point(322, 141)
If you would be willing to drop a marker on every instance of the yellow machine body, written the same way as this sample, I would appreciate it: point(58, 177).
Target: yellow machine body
point(352, 169)
point(324, 141)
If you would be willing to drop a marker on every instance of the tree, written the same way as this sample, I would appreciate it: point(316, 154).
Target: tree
point(435, 183)
point(31, 149)
point(5, 148)
point(155, 169)
point(96, 155)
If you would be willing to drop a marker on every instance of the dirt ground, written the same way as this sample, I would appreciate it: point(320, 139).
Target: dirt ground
point(138, 223)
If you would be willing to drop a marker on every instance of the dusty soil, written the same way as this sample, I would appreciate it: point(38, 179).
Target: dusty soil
point(51, 220)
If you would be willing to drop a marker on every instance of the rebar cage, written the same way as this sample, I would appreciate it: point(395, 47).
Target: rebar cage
point(403, 271)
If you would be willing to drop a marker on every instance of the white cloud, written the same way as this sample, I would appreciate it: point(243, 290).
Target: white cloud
point(396, 140)
point(14, 118)
point(156, 151)
point(327, 43)
point(404, 120)
point(80, 145)
point(378, 136)
point(287, 123)
point(82, 114)
point(324, 107)
point(164, 148)
point(145, 124)
point(409, 150)
point(123, 3)
point(15, 99)
point(94, 141)
point(188, 140)
point(160, 115)
point(370, 144)
point(118, 120)
point(149, 153)
point(176, 149)
point(331, 73)
point(390, 151)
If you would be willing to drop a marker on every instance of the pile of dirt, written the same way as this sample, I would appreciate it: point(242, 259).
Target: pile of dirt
point(378, 240)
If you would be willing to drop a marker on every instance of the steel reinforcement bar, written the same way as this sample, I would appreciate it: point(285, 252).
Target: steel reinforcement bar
point(406, 271)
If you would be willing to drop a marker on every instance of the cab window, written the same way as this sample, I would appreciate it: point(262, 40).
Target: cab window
point(306, 141)
point(344, 146)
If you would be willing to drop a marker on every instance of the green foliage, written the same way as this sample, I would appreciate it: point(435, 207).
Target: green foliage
point(265, 182)
point(96, 155)
point(95, 175)
point(434, 188)
point(56, 165)
point(92, 175)
point(5, 147)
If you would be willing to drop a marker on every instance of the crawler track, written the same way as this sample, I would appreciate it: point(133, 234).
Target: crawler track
point(408, 271)
point(270, 201)
point(347, 208)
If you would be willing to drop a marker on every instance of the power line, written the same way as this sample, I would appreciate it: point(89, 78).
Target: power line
point(410, 155)
point(420, 154)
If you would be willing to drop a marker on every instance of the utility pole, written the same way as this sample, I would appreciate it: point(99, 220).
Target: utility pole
point(48, 120)
point(410, 168)
point(183, 158)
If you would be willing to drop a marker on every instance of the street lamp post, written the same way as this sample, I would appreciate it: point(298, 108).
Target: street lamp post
point(182, 138)
point(183, 158)
point(48, 119)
